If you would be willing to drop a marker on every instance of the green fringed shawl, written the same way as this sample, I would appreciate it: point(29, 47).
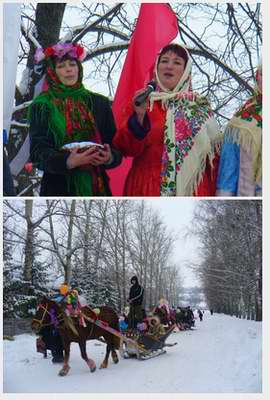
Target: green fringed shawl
point(69, 118)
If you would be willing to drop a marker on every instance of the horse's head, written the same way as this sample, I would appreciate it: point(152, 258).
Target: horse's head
point(43, 315)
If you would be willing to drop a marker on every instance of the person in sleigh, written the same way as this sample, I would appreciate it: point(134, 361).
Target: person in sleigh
point(70, 302)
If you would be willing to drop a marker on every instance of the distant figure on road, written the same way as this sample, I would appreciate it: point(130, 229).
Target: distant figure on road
point(200, 315)
point(211, 311)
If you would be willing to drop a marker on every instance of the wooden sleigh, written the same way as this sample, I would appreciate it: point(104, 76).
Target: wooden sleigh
point(141, 346)
point(145, 346)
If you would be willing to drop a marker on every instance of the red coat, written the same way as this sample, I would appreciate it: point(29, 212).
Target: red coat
point(144, 176)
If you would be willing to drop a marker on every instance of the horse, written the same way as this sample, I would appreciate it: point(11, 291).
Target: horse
point(70, 329)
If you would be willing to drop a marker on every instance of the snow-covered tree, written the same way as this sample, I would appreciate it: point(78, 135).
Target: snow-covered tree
point(94, 246)
point(230, 270)
point(108, 294)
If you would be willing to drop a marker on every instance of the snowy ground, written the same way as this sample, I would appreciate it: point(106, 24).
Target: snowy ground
point(223, 355)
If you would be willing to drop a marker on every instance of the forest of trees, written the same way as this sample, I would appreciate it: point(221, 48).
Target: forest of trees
point(230, 268)
point(224, 40)
point(95, 246)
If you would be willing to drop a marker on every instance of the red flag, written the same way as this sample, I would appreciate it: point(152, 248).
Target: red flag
point(156, 27)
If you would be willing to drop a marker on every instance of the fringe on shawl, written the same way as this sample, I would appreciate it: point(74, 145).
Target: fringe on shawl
point(245, 136)
point(187, 183)
point(50, 115)
point(250, 137)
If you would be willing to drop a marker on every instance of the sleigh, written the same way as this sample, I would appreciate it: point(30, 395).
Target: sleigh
point(146, 346)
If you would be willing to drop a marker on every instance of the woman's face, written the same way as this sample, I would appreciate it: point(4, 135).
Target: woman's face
point(170, 69)
point(67, 72)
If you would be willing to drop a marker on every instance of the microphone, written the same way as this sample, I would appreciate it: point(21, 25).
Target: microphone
point(151, 87)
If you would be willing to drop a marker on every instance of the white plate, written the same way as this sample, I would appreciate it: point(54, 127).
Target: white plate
point(81, 145)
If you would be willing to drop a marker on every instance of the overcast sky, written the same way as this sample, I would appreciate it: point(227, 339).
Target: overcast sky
point(178, 213)
point(73, 17)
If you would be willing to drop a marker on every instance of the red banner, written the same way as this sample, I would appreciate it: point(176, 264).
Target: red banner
point(156, 27)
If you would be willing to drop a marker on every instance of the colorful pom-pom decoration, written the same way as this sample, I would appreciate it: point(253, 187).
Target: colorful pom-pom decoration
point(63, 289)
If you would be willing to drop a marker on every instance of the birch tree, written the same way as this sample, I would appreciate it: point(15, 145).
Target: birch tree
point(117, 236)
point(93, 245)
point(64, 251)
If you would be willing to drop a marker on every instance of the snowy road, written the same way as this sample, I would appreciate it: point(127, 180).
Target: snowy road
point(223, 355)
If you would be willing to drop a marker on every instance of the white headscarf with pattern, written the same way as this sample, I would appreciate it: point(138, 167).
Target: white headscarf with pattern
point(183, 167)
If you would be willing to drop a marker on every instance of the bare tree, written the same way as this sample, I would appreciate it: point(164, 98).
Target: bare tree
point(64, 249)
point(26, 238)
point(117, 237)
point(92, 243)
point(224, 41)
point(231, 259)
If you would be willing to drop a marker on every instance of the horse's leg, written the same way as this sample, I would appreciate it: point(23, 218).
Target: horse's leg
point(113, 346)
point(121, 347)
point(91, 363)
point(115, 356)
point(110, 349)
point(104, 364)
point(66, 367)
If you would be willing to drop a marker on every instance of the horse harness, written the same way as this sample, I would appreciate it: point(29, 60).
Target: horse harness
point(96, 322)
point(99, 323)
point(43, 316)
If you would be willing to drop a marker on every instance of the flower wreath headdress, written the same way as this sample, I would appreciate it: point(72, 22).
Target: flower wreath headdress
point(59, 50)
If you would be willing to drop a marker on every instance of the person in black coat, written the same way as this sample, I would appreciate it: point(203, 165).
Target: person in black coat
point(135, 301)
point(52, 339)
point(200, 315)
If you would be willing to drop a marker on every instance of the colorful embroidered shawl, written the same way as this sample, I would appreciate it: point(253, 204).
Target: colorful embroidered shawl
point(191, 136)
point(248, 121)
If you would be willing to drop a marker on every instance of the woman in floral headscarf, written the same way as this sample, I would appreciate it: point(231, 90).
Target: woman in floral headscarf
point(68, 113)
point(173, 138)
point(240, 169)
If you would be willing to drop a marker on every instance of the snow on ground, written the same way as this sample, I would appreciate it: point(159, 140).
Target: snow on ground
point(223, 355)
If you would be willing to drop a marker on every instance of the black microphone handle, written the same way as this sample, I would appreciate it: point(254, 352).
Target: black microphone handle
point(143, 96)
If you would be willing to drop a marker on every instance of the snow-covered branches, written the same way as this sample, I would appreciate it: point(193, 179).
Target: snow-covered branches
point(224, 41)
point(230, 270)
point(95, 245)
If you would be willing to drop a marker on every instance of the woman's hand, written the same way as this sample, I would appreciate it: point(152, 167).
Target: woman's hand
point(140, 110)
point(92, 156)
point(103, 156)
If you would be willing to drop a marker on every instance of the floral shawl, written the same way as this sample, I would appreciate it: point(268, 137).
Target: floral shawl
point(191, 135)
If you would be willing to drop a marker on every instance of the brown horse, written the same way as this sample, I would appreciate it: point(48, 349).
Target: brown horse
point(51, 313)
